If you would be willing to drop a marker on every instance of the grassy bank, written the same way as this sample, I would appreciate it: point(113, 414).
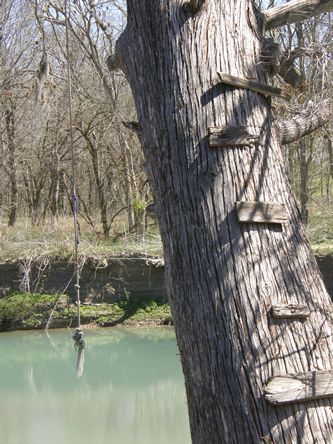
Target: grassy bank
point(33, 311)
point(49, 241)
point(56, 241)
point(320, 229)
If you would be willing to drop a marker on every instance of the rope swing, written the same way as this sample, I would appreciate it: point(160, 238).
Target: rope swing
point(79, 342)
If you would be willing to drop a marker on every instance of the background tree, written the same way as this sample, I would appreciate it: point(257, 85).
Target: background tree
point(16, 57)
point(35, 122)
point(307, 49)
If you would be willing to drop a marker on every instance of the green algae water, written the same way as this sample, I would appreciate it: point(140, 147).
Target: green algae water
point(132, 390)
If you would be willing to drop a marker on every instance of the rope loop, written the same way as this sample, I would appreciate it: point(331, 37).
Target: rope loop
point(79, 342)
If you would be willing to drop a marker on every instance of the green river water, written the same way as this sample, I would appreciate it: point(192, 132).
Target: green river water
point(132, 390)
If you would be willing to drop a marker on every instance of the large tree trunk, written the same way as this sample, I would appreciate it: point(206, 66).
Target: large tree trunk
point(223, 277)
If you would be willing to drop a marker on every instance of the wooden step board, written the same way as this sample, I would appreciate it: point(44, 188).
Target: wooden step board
point(226, 136)
point(262, 212)
point(290, 311)
point(260, 88)
point(288, 389)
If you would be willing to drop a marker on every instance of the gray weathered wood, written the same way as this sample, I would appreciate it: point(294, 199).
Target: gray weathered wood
point(230, 136)
point(287, 311)
point(260, 88)
point(263, 212)
point(287, 389)
point(295, 11)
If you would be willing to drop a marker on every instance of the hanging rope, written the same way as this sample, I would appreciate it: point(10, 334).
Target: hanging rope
point(78, 338)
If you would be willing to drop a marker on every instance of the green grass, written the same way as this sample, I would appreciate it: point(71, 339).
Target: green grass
point(320, 229)
point(127, 312)
point(26, 310)
point(32, 311)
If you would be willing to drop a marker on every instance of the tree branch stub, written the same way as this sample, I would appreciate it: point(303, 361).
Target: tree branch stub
point(133, 126)
point(113, 62)
point(193, 6)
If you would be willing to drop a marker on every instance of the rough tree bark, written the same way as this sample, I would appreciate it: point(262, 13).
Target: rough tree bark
point(301, 125)
point(223, 277)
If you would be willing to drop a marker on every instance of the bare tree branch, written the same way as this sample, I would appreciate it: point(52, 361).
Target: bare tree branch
point(280, 62)
point(301, 125)
point(295, 11)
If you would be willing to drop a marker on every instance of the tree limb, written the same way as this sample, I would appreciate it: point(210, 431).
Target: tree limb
point(280, 62)
point(295, 11)
point(288, 71)
point(301, 125)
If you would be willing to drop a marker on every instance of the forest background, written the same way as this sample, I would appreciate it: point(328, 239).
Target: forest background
point(115, 204)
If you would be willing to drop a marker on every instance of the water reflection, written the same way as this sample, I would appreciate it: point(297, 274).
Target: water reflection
point(132, 391)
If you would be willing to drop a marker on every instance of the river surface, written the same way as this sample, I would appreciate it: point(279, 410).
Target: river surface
point(132, 390)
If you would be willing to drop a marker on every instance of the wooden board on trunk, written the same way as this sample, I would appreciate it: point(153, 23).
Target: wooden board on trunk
point(262, 212)
point(260, 88)
point(290, 311)
point(287, 389)
point(230, 136)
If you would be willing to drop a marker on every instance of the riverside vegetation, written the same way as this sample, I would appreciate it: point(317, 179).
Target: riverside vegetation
point(50, 242)
point(46, 243)
point(34, 311)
